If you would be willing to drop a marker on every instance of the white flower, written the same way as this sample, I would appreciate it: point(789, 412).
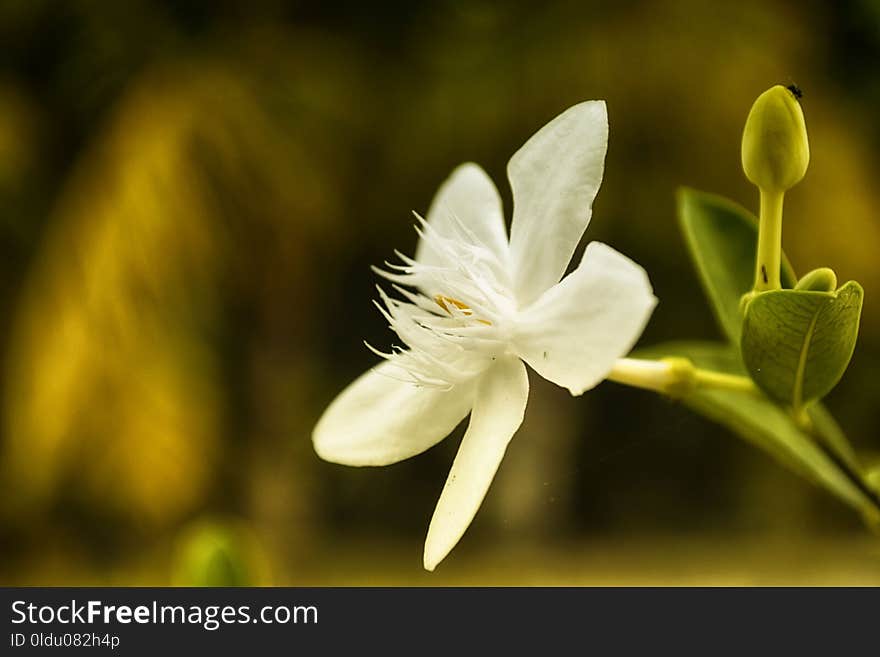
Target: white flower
point(480, 305)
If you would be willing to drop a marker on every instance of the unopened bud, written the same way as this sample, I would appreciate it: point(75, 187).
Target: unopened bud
point(818, 280)
point(775, 150)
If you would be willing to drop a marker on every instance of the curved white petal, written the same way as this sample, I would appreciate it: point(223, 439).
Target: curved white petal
point(379, 419)
point(575, 332)
point(499, 406)
point(467, 206)
point(555, 177)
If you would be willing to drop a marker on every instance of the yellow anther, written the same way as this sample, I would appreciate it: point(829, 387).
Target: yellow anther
point(446, 302)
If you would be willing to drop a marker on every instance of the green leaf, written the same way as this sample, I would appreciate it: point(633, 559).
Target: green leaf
point(829, 431)
point(722, 238)
point(796, 344)
point(826, 459)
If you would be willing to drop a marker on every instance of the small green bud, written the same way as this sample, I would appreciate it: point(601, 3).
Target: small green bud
point(818, 280)
point(775, 150)
point(218, 552)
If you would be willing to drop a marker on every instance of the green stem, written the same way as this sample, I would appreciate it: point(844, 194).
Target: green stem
point(722, 381)
point(675, 376)
point(769, 258)
point(850, 470)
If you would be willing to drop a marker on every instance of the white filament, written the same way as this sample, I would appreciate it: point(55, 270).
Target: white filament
point(458, 319)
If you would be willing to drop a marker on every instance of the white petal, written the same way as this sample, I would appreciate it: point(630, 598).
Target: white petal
point(467, 200)
point(379, 419)
point(575, 332)
point(498, 411)
point(555, 177)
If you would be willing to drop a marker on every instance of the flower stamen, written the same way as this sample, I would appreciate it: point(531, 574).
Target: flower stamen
point(445, 302)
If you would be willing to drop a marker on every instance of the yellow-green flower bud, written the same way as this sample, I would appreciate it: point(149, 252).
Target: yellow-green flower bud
point(775, 150)
point(818, 280)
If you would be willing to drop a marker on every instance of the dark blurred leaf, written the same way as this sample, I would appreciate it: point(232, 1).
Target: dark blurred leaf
point(722, 238)
point(796, 344)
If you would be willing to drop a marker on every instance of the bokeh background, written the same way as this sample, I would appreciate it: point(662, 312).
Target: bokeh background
point(191, 195)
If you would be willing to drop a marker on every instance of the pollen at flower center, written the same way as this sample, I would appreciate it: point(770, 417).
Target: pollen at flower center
point(447, 303)
point(444, 302)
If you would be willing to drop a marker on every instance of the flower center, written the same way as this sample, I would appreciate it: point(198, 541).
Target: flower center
point(448, 303)
point(453, 332)
point(445, 302)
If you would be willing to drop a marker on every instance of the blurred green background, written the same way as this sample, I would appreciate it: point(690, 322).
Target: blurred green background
point(191, 195)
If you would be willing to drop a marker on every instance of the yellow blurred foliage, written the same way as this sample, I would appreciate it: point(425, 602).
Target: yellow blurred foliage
point(113, 391)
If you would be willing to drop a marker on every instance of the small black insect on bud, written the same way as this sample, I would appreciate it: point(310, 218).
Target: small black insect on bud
point(796, 90)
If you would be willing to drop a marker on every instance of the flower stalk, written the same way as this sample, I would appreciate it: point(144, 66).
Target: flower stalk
point(769, 258)
point(676, 377)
